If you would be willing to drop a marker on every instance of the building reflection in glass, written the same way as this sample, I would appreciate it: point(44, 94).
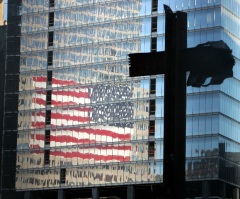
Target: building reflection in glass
point(83, 122)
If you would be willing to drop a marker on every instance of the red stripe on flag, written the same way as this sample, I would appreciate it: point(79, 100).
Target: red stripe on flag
point(102, 132)
point(38, 124)
point(61, 103)
point(88, 156)
point(71, 93)
point(63, 138)
point(34, 146)
point(69, 117)
point(39, 101)
point(63, 82)
point(40, 78)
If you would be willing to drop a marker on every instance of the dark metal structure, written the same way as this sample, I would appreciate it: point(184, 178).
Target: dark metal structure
point(210, 60)
point(10, 102)
point(2, 77)
point(175, 105)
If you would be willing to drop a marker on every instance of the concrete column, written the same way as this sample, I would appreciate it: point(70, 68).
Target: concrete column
point(205, 189)
point(130, 192)
point(95, 193)
point(27, 195)
point(61, 194)
point(236, 193)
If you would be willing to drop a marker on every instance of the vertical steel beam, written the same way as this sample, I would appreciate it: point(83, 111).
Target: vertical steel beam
point(223, 189)
point(206, 189)
point(130, 192)
point(27, 195)
point(95, 193)
point(175, 105)
point(61, 194)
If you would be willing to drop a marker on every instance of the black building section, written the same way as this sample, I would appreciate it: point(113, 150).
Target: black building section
point(3, 30)
point(9, 90)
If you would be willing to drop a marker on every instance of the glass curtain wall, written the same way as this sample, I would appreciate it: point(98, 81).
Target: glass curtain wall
point(82, 121)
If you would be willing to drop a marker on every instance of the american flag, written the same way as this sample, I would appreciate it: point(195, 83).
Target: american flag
point(75, 121)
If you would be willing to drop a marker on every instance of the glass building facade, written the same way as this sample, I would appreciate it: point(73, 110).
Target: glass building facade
point(83, 122)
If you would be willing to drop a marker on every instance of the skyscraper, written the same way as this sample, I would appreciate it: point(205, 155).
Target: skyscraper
point(82, 122)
